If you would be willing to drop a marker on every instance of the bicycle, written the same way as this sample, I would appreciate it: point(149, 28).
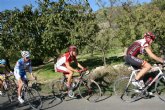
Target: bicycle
point(8, 84)
point(82, 86)
point(29, 94)
point(129, 93)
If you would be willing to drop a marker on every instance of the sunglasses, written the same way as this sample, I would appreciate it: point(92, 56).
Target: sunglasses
point(27, 57)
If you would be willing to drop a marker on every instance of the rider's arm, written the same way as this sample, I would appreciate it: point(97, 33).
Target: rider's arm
point(78, 64)
point(30, 71)
point(69, 67)
point(152, 55)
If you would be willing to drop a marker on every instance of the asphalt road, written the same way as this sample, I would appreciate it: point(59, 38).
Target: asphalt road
point(111, 103)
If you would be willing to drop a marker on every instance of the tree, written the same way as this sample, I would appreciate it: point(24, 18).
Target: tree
point(139, 20)
point(107, 30)
point(48, 29)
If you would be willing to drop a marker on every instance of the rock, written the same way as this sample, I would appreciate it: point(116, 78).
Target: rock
point(110, 71)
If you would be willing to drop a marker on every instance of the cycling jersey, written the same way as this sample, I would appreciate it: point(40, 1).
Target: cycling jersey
point(137, 47)
point(21, 66)
point(65, 58)
point(60, 64)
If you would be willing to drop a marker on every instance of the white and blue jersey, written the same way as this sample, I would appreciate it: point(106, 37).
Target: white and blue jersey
point(20, 67)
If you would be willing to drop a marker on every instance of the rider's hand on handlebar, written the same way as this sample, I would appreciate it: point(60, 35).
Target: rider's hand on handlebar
point(82, 70)
point(77, 71)
point(34, 78)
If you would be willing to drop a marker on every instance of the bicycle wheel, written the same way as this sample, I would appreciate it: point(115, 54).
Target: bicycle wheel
point(11, 89)
point(120, 85)
point(59, 88)
point(90, 89)
point(33, 98)
point(125, 89)
point(160, 87)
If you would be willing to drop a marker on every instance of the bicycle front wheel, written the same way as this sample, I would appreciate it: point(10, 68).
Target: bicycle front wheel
point(59, 88)
point(126, 90)
point(160, 87)
point(33, 98)
point(90, 89)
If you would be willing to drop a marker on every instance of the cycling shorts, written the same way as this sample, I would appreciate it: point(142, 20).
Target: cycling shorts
point(61, 69)
point(134, 61)
point(18, 75)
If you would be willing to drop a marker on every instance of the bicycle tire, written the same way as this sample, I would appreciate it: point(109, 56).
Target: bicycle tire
point(90, 90)
point(127, 93)
point(119, 88)
point(160, 87)
point(59, 88)
point(33, 98)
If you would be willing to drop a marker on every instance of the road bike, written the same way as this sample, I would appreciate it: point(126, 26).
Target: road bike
point(29, 94)
point(124, 88)
point(82, 86)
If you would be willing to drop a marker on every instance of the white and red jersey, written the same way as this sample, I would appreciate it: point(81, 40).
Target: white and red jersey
point(65, 58)
point(137, 47)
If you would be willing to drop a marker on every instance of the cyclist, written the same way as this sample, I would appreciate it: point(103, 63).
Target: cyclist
point(140, 47)
point(4, 70)
point(20, 73)
point(63, 64)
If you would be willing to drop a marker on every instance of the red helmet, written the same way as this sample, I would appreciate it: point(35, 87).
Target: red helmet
point(149, 36)
point(72, 48)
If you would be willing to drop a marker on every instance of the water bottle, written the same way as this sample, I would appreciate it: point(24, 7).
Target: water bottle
point(148, 81)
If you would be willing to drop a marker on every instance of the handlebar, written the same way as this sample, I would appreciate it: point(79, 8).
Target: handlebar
point(83, 70)
point(157, 67)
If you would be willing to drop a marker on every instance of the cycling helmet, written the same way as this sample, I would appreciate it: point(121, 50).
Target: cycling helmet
point(25, 53)
point(3, 61)
point(149, 36)
point(72, 48)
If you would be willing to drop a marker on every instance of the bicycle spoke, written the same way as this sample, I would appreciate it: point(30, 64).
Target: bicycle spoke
point(33, 98)
point(94, 91)
point(128, 93)
point(59, 89)
point(91, 91)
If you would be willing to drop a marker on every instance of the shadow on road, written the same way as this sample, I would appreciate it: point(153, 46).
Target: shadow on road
point(49, 101)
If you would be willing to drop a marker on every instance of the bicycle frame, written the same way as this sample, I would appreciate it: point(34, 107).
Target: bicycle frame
point(154, 80)
point(132, 75)
point(64, 79)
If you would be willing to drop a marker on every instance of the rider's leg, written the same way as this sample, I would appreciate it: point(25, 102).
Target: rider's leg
point(69, 77)
point(145, 68)
point(20, 84)
point(68, 73)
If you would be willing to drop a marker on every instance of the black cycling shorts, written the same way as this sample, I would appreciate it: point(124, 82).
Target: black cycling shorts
point(134, 61)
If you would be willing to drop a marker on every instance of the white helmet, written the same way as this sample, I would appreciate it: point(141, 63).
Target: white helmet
point(25, 53)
